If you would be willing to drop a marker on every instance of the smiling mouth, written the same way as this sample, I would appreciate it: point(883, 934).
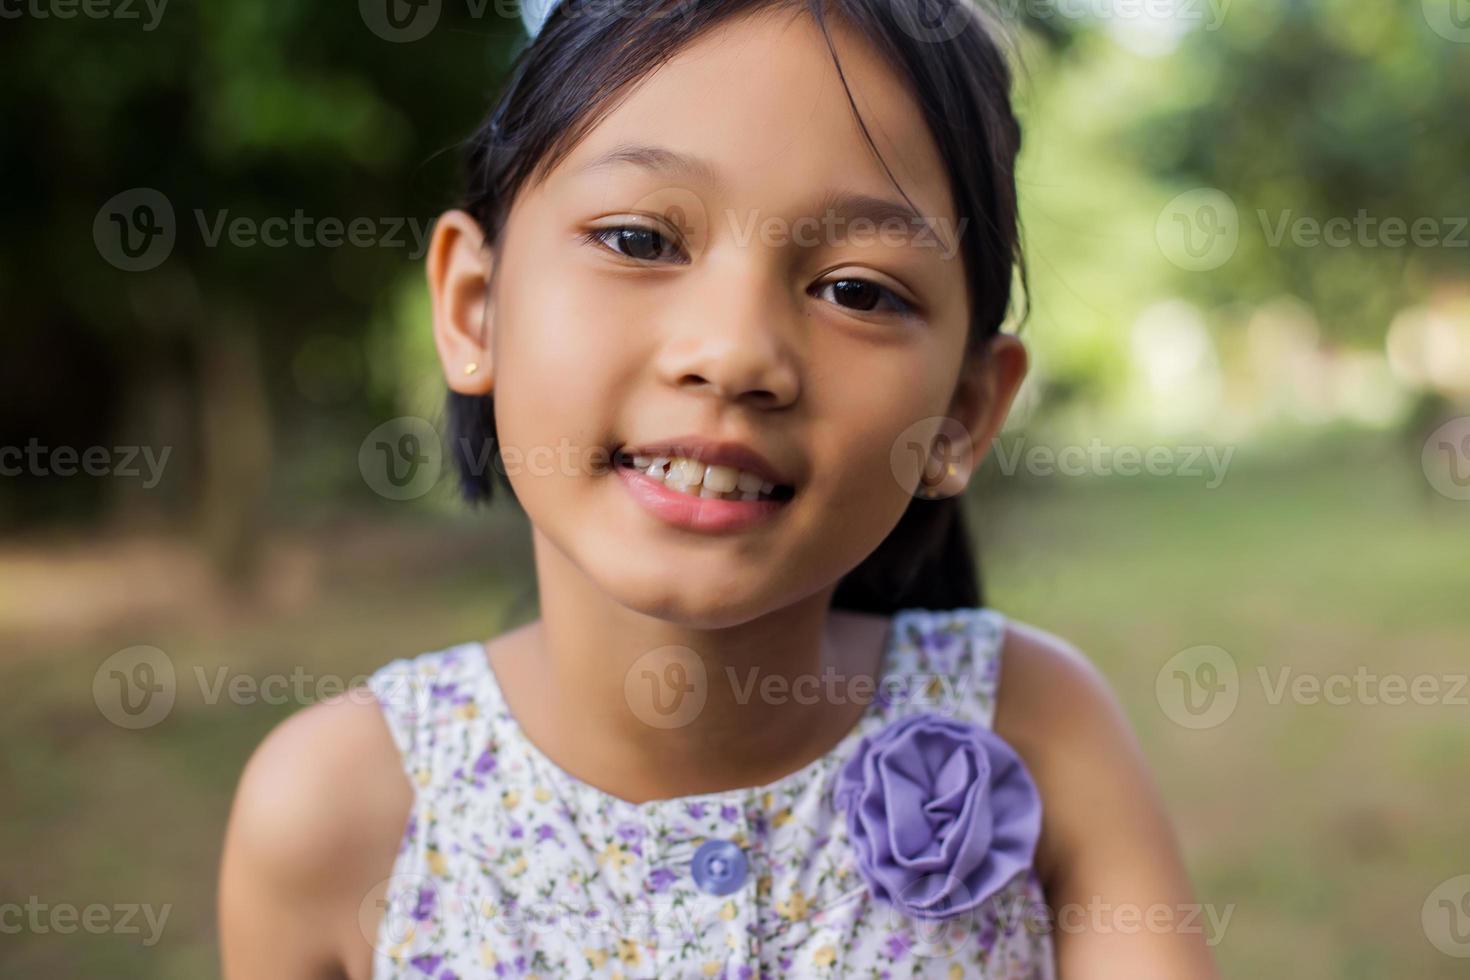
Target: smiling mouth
point(706, 480)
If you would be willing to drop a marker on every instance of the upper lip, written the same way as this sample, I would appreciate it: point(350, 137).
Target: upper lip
point(710, 451)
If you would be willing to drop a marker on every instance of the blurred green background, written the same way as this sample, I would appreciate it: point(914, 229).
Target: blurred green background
point(1246, 228)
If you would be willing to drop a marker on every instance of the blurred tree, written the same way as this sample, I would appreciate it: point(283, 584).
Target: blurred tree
point(1313, 110)
point(123, 135)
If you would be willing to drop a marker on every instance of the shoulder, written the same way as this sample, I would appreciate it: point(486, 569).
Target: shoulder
point(316, 822)
point(1059, 712)
point(332, 760)
point(1049, 688)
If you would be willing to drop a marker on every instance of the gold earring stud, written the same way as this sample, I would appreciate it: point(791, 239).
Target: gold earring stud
point(471, 368)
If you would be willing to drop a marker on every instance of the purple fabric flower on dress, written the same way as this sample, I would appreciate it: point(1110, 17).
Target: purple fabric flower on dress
point(942, 813)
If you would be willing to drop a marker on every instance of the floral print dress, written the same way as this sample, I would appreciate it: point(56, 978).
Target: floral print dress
point(511, 867)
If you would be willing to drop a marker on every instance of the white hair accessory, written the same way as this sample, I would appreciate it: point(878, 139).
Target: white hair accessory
point(534, 14)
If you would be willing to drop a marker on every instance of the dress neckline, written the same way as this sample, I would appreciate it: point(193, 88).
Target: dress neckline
point(594, 796)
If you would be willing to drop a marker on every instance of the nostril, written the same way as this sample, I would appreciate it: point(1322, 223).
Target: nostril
point(763, 397)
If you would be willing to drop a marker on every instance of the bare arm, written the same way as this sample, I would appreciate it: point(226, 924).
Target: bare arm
point(315, 825)
point(1108, 858)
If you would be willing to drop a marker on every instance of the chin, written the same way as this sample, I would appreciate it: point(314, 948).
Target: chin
point(706, 601)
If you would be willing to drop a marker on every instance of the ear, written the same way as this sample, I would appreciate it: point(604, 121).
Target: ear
point(989, 379)
point(458, 266)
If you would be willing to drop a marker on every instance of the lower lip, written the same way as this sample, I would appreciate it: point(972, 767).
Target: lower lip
point(710, 514)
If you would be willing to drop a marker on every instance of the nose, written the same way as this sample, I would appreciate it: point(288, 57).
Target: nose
point(737, 342)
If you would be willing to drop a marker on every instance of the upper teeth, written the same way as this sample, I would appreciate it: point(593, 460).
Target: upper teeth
point(711, 480)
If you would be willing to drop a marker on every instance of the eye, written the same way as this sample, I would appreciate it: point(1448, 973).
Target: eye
point(633, 241)
point(863, 296)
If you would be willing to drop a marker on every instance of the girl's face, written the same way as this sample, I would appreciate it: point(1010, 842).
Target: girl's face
point(736, 307)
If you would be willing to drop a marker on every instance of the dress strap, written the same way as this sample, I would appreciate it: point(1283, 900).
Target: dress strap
point(945, 661)
point(432, 704)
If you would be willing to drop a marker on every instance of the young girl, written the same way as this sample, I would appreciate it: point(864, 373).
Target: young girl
point(723, 306)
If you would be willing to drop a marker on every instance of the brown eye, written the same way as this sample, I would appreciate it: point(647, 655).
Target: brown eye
point(634, 242)
point(864, 296)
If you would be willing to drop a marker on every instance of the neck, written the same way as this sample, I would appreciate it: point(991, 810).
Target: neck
point(646, 708)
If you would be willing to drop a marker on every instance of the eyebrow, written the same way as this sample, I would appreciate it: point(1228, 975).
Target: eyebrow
point(847, 206)
point(659, 160)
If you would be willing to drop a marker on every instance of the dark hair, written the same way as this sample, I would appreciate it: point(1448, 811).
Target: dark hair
point(582, 61)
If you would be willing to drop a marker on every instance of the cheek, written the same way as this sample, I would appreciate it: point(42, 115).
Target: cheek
point(879, 413)
point(561, 349)
point(857, 493)
point(561, 323)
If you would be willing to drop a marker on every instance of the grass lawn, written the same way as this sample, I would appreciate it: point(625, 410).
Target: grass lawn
point(1320, 828)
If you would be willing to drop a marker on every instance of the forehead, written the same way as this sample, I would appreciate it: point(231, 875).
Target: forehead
point(760, 100)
